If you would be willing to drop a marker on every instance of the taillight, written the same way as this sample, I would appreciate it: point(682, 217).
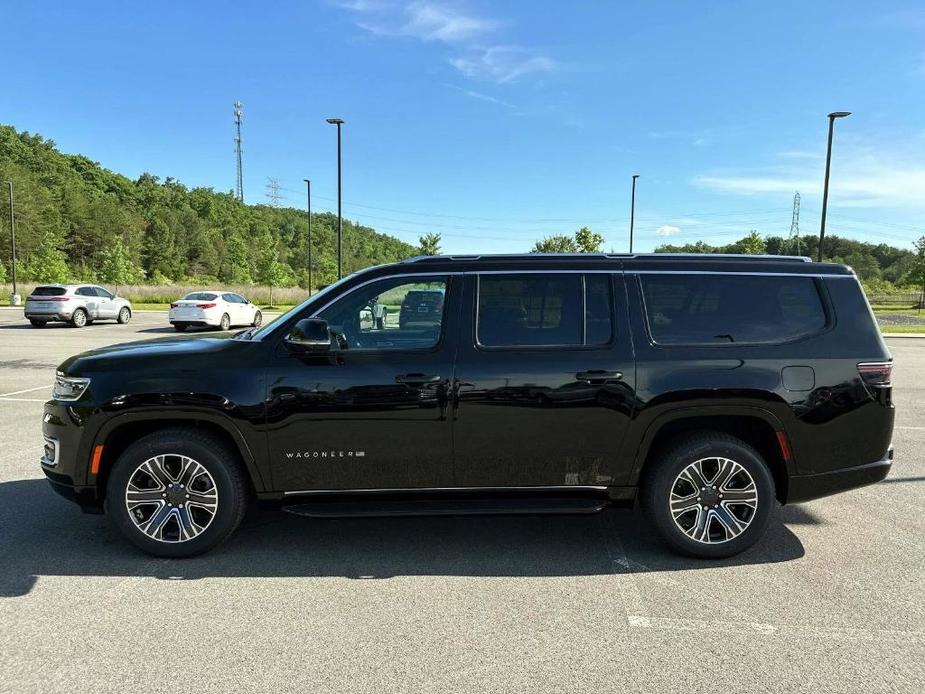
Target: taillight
point(174, 305)
point(48, 298)
point(878, 374)
point(205, 305)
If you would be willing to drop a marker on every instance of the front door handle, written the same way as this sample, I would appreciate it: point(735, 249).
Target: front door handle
point(417, 379)
point(598, 376)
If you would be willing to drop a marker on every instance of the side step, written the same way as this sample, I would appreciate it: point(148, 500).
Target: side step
point(445, 507)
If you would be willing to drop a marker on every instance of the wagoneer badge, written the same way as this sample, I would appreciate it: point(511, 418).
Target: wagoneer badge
point(298, 455)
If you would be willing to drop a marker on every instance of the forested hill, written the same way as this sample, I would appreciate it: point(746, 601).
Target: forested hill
point(76, 220)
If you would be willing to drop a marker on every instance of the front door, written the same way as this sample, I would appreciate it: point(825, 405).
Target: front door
point(374, 412)
point(107, 308)
point(545, 380)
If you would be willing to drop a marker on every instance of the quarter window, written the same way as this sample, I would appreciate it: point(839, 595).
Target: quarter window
point(544, 310)
point(724, 309)
point(391, 314)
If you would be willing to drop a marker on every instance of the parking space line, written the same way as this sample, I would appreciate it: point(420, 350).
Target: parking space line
point(25, 390)
point(634, 605)
point(911, 428)
point(23, 399)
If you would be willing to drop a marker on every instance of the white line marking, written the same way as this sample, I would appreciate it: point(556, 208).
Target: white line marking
point(911, 428)
point(27, 390)
point(634, 605)
point(699, 625)
point(23, 400)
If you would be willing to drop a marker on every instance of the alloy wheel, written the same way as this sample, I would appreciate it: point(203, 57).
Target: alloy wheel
point(713, 500)
point(171, 498)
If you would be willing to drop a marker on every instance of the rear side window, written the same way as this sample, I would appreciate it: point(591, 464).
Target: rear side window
point(86, 291)
point(49, 291)
point(544, 310)
point(724, 309)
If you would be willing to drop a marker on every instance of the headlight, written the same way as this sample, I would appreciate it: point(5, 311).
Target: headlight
point(69, 388)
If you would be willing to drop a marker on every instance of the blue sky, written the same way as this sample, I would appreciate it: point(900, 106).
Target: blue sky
point(496, 123)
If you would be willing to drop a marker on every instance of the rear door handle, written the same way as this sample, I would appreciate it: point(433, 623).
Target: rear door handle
point(417, 379)
point(598, 376)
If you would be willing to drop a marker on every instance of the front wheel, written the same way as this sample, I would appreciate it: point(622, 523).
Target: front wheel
point(177, 492)
point(709, 495)
point(125, 315)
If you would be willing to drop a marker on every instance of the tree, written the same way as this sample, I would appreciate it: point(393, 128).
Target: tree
point(752, 244)
point(118, 268)
point(917, 274)
point(270, 271)
point(588, 241)
point(556, 244)
point(235, 268)
point(48, 263)
point(430, 244)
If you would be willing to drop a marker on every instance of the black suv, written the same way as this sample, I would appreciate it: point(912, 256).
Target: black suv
point(706, 388)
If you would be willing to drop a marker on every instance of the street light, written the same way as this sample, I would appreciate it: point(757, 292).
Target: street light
point(340, 221)
point(308, 187)
point(825, 187)
point(633, 210)
point(14, 298)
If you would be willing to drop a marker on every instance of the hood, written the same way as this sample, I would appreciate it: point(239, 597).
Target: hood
point(176, 350)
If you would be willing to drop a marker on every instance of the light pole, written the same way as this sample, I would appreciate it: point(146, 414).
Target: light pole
point(825, 187)
point(633, 210)
point(340, 220)
point(308, 190)
point(14, 298)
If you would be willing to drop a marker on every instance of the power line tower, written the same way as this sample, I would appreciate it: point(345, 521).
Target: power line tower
point(239, 181)
point(273, 188)
point(793, 241)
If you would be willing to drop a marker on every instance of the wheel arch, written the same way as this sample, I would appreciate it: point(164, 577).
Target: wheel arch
point(755, 426)
point(121, 431)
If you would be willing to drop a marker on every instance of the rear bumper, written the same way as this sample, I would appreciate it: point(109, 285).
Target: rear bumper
point(46, 315)
point(809, 487)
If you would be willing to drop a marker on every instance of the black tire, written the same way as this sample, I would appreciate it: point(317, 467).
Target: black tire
point(37, 323)
point(221, 462)
point(258, 319)
point(79, 318)
point(225, 323)
point(180, 327)
point(125, 315)
point(662, 477)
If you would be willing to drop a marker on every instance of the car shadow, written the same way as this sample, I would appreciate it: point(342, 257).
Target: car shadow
point(42, 534)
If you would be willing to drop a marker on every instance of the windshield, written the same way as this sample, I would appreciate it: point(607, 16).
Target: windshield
point(271, 327)
point(198, 296)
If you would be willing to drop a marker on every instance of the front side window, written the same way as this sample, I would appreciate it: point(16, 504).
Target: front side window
point(544, 310)
point(725, 309)
point(102, 293)
point(392, 314)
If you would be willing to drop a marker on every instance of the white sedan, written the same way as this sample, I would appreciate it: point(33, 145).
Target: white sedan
point(215, 308)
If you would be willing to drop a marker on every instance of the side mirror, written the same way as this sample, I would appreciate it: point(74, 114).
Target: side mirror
point(310, 335)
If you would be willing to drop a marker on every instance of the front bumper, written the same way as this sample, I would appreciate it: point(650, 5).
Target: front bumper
point(65, 460)
point(808, 487)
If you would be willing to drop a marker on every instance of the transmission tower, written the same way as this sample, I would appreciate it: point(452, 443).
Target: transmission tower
point(239, 181)
point(273, 188)
point(793, 241)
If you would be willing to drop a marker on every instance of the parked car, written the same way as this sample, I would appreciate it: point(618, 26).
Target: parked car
point(77, 304)
point(421, 307)
point(708, 389)
point(219, 309)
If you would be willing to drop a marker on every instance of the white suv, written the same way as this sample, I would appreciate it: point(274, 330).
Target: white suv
point(77, 304)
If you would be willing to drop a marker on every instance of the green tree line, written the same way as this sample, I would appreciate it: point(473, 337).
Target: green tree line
point(77, 221)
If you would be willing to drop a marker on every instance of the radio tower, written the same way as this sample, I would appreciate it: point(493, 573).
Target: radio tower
point(239, 181)
point(273, 188)
point(793, 241)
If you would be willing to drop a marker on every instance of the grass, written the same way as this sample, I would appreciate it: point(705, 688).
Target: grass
point(149, 306)
point(154, 295)
point(912, 329)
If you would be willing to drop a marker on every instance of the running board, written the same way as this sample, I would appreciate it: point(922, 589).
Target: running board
point(447, 507)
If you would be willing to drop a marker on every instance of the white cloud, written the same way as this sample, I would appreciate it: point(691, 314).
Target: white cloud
point(502, 64)
point(485, 97)
point(430, 21)
point(668, 230)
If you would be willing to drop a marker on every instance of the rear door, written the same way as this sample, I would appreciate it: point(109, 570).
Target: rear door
point(545, 380)
point(88, 300)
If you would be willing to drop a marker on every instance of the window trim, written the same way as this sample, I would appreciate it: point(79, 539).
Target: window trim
point(821, 292)
point(436, 347)
point(583, 347)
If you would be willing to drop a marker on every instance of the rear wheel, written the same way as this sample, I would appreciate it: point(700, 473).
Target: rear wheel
point(709, 495)
point(79, 318)
point(225, 323)
point(125, 315)
point(177, 492)
point(37, 323)
point(180, 327)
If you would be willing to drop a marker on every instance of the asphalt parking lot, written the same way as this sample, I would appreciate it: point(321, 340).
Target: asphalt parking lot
point(832, 600)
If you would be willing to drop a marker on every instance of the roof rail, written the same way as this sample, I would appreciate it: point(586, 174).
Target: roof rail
point(613, 256)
